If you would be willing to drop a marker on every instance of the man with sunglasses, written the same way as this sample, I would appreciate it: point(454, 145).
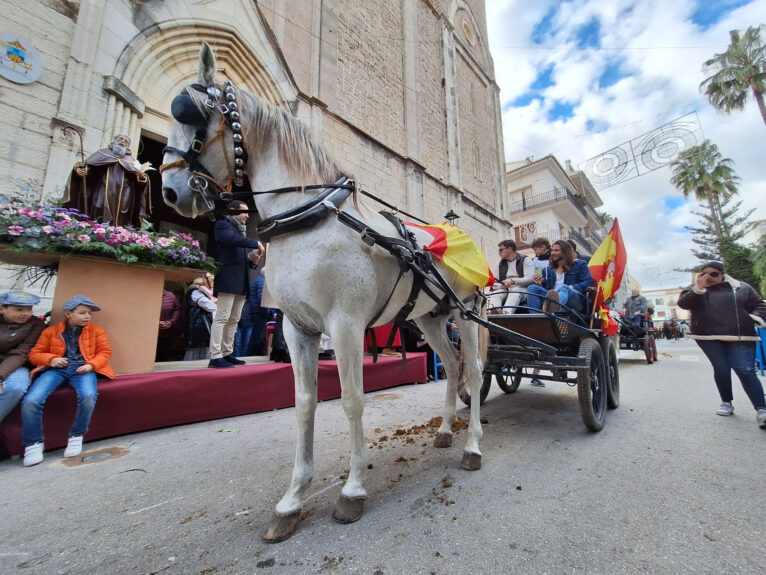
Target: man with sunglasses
point(514, 276)
point(725, 313)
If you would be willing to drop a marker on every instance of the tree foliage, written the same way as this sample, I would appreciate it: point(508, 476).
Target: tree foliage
point(703, 172)
point(738, 73)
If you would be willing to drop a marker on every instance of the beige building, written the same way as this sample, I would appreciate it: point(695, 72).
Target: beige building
point(401, 92)
point(665, 302)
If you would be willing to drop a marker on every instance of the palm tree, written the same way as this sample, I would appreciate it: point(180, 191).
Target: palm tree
point(703, 172)
point(739, 72)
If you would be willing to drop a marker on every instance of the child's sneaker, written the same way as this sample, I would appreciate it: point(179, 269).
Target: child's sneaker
point(726, 409)
point(33, 454)
point(760, 418)
point(74, 446)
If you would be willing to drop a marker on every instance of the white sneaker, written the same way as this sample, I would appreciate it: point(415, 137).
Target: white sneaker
point(33, 454)
point(74, 446)
point(760, 418)
point(726, 409)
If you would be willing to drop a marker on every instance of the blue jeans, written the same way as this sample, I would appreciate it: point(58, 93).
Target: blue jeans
point(14, 388)
point(32, 404)
point(740, 357)
point(567, 296)
point(241, 340)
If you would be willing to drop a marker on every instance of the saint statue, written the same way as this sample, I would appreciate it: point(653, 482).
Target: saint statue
point(111, 186)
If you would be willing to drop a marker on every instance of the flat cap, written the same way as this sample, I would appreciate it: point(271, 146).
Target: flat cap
point(74, 301)
point(19, 298)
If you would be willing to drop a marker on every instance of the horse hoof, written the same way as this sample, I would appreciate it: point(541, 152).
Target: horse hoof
point(348, 510)
point(443, 439)
point(281, 527)
point(471, 461)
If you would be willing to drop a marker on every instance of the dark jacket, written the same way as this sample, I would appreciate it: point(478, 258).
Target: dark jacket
point(16, 340)
point(231, 255)
point(723, 311)
point(170, 311)
point(198, 322)
point(578, 277)
point(502, 267)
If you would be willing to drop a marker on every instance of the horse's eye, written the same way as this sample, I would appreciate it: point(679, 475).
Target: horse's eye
point(185, 111)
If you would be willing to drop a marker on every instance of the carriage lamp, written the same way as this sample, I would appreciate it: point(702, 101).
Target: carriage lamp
point(451, 217)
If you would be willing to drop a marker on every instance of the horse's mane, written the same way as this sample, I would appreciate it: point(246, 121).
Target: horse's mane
point(299, 152)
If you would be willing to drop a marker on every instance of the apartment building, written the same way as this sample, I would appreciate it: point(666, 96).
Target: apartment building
point(550, 200)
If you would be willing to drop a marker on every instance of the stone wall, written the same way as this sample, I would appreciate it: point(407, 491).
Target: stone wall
point(400, 93)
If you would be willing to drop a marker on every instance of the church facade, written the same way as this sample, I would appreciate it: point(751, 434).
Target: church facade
point(400, 92)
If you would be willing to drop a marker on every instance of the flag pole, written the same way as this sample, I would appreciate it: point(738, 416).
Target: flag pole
point(595, 301)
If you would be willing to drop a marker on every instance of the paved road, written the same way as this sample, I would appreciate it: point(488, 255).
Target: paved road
point(666, 487)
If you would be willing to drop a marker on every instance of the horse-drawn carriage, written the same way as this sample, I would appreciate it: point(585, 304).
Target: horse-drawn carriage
point(560, 343)
point(639, 336)
point(228, 144)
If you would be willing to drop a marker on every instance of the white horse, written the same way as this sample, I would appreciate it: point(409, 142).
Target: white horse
point(324, 278)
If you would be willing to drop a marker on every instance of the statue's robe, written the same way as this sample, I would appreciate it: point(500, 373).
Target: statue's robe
point(115, 190)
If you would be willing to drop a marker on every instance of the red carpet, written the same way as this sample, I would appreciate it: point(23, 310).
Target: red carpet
point(138, 402)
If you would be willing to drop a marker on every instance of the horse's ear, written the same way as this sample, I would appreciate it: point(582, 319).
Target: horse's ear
point(206, 72)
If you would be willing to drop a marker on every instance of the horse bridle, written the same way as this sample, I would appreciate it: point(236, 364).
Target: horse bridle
point(185, 111)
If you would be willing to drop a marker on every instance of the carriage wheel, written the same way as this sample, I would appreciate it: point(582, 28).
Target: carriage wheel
point(613, 374)
point(592, 385)
point(508, 380)
point(648, 350)
point(464, 392)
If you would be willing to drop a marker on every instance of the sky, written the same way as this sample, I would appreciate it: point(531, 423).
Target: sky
point(579, 77)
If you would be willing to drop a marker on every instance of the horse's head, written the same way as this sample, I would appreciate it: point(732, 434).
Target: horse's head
point(205, 151)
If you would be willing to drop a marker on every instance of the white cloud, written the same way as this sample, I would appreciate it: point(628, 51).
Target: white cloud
point(662, 50)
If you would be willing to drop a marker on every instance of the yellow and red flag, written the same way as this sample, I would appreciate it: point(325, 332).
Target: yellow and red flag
point(456, 250)
point(607, 267)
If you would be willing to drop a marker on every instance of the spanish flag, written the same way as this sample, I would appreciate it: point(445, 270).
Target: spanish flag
point(607, 267)
point(456, 250)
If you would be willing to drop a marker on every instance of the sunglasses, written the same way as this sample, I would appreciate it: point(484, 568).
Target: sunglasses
point(712, 274)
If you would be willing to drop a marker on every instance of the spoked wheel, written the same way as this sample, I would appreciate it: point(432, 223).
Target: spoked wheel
point(592, 385)
point(464, 392)
point(509, 380)
point(612, 372)
point(650, 356)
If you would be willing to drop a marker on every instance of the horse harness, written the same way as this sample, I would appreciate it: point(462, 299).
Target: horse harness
point(426, 277)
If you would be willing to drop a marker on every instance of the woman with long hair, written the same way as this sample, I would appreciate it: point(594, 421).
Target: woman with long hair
point(563, 281)
point(725, 313)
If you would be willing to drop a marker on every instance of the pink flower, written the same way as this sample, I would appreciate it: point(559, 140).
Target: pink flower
point(163, 242)
point(48, 229)
point(100, 232)
point(64, 216)
point(15, 230)
point(83, 238)
point(83, 224)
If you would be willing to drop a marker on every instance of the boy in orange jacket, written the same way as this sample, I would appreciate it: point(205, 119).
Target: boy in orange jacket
point(73, 351)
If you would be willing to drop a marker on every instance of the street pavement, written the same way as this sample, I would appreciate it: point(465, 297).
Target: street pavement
point(666, 487)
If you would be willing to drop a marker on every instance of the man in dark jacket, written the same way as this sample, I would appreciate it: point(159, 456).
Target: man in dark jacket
point(19, 331)
point(231, 282)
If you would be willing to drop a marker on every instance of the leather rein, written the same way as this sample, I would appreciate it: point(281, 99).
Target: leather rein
point(405, 249)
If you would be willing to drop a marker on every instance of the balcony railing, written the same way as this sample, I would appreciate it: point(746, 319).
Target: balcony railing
point(553, 196)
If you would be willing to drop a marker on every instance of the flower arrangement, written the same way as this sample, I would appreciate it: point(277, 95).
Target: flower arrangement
point(44, 228)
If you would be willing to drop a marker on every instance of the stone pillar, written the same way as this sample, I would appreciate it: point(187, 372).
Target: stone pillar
point(451, 99)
